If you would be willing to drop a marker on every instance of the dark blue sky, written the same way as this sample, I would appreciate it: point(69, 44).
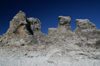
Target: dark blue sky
point(47, 11)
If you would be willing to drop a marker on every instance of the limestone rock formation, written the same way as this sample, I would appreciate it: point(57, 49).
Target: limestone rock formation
point(25, 42)
point(64, 24)
point(63, 27)
point(27, 31)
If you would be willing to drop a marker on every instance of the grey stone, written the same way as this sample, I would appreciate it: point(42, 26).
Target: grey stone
point(25, 39)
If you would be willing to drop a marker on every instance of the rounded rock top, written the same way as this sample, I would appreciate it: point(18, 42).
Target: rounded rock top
point(82, 20)
point(64, 19)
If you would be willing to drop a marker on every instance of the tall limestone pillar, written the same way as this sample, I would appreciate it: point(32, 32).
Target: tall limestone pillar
point(63, 29)
point(64, 24)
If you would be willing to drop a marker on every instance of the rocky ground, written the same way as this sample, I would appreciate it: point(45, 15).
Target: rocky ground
point(51, 56)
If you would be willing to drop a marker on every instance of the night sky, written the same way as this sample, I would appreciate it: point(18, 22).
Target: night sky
point(47, 11)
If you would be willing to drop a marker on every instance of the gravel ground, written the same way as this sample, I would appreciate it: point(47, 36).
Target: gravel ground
point(54, 57)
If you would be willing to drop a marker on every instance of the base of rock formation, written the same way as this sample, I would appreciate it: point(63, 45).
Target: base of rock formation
point(54, 55)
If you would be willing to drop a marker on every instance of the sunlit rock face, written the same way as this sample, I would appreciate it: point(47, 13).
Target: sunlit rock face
point(19, 24)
